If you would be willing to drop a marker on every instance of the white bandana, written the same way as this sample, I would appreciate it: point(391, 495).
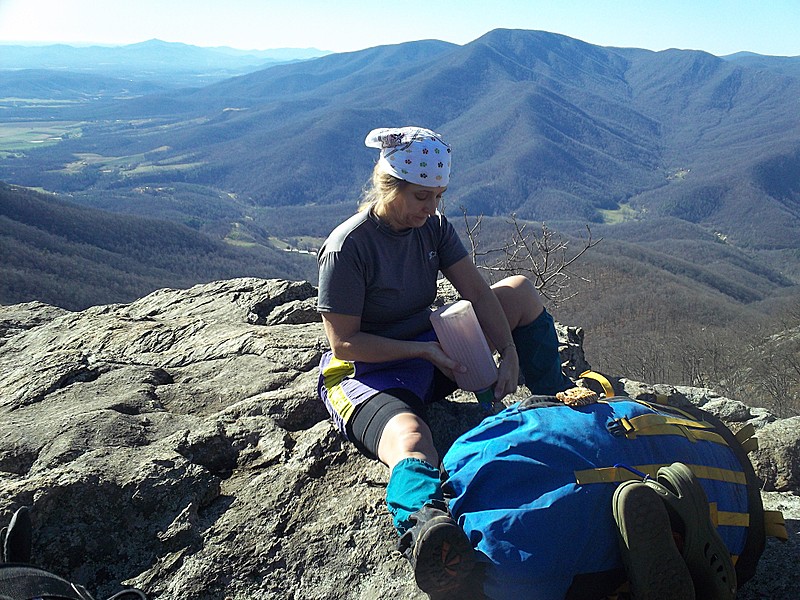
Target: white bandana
point(413, 154)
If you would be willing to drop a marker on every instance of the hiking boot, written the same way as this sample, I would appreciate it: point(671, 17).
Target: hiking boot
point(17, 538)
point(706, 555)
point(470, 588)
point(438, 549)
point(656, 570)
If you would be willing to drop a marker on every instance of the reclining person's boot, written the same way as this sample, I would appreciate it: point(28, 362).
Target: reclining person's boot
point(655, 568)
point(17, 538)
point(439, 551)
point(706, 555)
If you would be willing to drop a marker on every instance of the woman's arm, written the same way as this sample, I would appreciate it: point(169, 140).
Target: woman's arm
point(348, 342)
point(471, 286)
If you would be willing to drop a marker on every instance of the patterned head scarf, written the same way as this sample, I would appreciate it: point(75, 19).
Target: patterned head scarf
point(412, 154)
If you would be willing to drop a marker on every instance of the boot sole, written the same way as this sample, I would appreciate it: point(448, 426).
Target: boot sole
point(656, 570)
point(444, 556)
point(706, 555)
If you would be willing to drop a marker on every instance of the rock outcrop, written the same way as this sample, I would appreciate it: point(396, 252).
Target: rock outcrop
point(177, 444)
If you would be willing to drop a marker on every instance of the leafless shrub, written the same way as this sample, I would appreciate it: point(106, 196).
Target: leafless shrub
point(540, 254)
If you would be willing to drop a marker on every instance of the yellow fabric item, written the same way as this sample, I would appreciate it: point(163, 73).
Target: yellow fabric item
point(652, 419)
point(746, 437)
point(662, 399)
point(687, 432)
point(719, 517)
point(663, 404)
point(750, 445)
point(333, 374)
point(733, 519)
point(722, 517)
point(745, 433)
point(775, 526)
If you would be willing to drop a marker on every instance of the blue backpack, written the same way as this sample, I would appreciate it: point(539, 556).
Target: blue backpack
point(532, 488)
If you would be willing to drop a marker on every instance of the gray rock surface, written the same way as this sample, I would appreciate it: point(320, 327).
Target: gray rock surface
point(177, 444)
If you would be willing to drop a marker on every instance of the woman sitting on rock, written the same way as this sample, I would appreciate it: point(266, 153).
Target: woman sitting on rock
point(377, 282)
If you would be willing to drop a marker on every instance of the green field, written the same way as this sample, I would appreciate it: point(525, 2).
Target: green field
point(20, 136)
point(620, 215)
point(128, 166)
point(11, 102)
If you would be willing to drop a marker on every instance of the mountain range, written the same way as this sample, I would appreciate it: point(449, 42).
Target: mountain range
point(176, 424)
point(542, 125)
point(168, 63)
point(685, 163)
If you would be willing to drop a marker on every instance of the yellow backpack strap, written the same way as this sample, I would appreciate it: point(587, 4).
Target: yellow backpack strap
point(729, 518)
point(607, 387)
point(660, 424)
point(662, 404)
point(775, 525)
point(747, 439)
point(617, 474)
point(652, 419)
point(689, 433)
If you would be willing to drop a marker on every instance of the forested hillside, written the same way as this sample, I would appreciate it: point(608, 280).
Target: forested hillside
point(663, 300)
point(75, 257)
point(641, 326)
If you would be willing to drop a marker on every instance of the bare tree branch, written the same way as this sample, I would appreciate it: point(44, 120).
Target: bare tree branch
point(543, 256)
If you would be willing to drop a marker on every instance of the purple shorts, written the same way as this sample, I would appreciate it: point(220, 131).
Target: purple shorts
point(343, 385)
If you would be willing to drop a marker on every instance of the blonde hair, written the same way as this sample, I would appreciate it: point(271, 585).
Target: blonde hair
point(380, 190)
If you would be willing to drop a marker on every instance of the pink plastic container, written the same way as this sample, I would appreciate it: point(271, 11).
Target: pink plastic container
point(462, 339)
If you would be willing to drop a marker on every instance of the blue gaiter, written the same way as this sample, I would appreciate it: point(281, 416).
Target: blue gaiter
point(412, 483)
point(539, 361)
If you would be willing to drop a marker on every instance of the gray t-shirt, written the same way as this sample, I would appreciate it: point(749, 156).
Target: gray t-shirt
point(387, 278)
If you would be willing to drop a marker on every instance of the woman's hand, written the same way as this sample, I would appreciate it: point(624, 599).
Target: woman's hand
point(493, 319)
point(508, 374)
point(434, 353)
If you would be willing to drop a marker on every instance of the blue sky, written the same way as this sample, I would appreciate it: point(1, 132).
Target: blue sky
point(716, 26)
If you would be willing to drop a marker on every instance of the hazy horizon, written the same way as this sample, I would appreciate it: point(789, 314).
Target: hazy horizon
point(41, 44)
point(720, 27)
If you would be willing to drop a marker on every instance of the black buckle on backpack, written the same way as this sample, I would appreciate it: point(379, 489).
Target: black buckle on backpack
point(616, 428)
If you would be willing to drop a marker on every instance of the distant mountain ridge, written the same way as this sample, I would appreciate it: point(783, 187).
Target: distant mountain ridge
point(154, 59)
point(542, 125)
point(785, 65)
